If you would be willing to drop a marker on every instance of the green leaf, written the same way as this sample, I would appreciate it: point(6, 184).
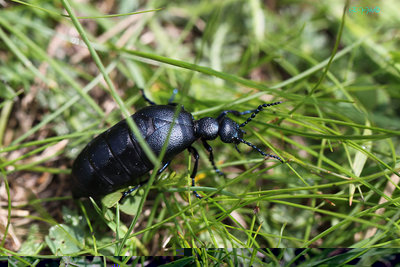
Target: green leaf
point(111, 199)
point(131, 204)
point(359, 162)
point(64, 239)
point(33, 242)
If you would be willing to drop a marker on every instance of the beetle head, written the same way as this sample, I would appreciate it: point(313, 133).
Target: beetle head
point(229, 131)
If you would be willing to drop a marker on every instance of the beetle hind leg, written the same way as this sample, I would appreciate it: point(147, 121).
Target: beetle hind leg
point(129, 191)
point(163, 167)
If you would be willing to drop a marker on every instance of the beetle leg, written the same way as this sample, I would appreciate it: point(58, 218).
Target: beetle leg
point(174, 92)
point(145, 98)
point(234, 112)
point(237, 148)
point(254, 111)
point(211, 158)
point(163, 167)
point(129, 191)
point(196, 156)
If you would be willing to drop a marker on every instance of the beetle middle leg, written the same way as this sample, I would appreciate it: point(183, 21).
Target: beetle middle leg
point(196, 156)
point(211, 158)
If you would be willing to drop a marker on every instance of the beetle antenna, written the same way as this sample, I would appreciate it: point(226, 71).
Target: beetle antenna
point(259, 108)
point(259, 150)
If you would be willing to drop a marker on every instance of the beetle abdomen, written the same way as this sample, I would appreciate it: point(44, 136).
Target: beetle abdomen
point(127, 150)
point(115, 158)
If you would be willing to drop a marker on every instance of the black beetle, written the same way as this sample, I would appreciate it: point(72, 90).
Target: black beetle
point(114, 159)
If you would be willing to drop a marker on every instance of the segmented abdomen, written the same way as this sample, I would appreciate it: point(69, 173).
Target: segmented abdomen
point(113, 159)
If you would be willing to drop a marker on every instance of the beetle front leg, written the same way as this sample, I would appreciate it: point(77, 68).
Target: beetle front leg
point(211, 158)
point(196, 156)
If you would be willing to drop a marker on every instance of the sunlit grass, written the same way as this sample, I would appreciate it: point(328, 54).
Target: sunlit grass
point(67, 79)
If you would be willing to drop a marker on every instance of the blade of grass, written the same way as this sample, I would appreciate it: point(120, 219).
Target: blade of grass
point(143, 144)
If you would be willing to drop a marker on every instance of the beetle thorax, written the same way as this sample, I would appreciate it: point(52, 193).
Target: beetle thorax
point(209, 128)
point(206, 128)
